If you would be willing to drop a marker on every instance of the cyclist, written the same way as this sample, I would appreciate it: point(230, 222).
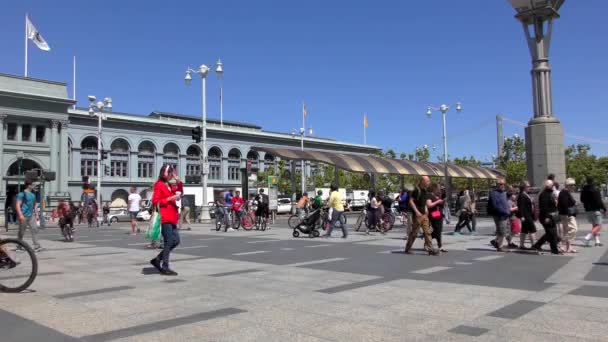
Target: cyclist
point(237, 205)
point(317, 202)
point(228, 204)
point(262, 200)
point(220, 209)
point(66, 214)
point(301, 206)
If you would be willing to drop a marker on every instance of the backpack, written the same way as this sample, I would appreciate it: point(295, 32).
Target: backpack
point(490, 209)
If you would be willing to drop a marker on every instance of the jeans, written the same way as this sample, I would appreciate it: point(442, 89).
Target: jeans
point(334, 218)
point(29, 222)
point(171, 240)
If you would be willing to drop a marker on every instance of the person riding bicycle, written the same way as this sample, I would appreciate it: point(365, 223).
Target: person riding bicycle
point(66, 212)
point(238, 204)
point(387, 202)
point(317, 202)
point(301, 206)
point(220, 209)
point(262, 199)
point(402, 200)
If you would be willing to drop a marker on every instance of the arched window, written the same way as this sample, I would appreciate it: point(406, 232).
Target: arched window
point(268, 161)
point(171, 155)
point(215, 163)
point(26, 165)
point(234, 164)
point(88, 157)
point(145, 160)
point(193, 161)
point(119, 198)
point(119, 158)
point(253, 157)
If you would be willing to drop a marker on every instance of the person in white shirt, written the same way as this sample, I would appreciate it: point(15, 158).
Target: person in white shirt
point(134, 202)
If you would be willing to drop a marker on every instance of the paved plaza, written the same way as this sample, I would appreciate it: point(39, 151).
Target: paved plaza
point(269, 286)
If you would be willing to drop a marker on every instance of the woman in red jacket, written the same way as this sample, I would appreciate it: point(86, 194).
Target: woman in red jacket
point(167, 190)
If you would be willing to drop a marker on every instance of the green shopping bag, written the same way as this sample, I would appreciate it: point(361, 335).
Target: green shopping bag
point(153, 232)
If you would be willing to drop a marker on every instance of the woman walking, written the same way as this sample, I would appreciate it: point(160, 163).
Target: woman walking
point(526, 215)
point(435, 205)
point(165, 197)
point(372, 213)
point(464, 208)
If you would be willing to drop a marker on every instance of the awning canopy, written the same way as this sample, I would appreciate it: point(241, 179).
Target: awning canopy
point(376, 164)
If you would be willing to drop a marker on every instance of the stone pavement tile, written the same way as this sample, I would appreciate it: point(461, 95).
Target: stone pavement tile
point(516, 310)
point(468, 330)
point(561, 327)
point(595, 302)
point(211, 330)
point(529, 334)
point(280, 318)
point(262, 333)
point(431, 307)
point(591, 291)
point(341, 330)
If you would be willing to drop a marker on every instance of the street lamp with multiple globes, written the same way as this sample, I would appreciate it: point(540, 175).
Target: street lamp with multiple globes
point(544, 134)
point(444, 109)
point(96, 109)
point(203, 71)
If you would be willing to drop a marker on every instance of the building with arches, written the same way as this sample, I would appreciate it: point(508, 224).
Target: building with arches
point(39, 120)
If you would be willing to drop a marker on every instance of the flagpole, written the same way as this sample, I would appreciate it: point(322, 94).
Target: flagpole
point(74, 83)
point(303, 163)
point(365, 129)
point(26, 45)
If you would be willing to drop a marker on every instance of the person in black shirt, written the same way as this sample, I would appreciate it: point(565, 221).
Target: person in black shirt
point(566, 206)
point(592, 200)
point(526, 215)
point(548, 216)
point(421, 218)
point(435, 205)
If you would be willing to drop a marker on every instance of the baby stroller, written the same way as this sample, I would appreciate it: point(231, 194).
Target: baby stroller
point(308, 225)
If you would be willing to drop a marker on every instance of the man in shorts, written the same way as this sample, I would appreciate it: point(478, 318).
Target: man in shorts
point(498, 208)
point(592, 201)
point(134, 202)
point(27, 213)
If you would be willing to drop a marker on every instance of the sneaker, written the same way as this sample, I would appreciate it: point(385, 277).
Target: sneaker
point(168, 272)
point(231, 229)
point(493, 243)
point(156, 263)
point(456, 234)
point(598, 244)
point(433, 252)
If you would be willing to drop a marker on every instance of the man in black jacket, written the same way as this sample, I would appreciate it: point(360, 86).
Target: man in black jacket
point(592, 200)
point(548, 216)
point(566, 206)
point(526, 215)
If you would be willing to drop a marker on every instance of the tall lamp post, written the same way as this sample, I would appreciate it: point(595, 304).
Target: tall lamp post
point(444, 110)
point(544, 134)
point(20, 156)
point(301, 132)
point(96, 109)
point(203, 71)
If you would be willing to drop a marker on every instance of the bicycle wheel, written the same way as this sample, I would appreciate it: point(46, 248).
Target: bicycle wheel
point(294, 221)
point(359, 222)
point(236, 223)
point(390, 222)
point(247, 222)
point(218, 223)
point(18, 265)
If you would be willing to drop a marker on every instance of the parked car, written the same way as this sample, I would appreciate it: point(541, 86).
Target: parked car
point(144, 215)
point(119, 216)
point(283, 206)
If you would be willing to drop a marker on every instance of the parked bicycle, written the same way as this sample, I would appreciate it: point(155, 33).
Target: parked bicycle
point(242, 219)
point(18, 265)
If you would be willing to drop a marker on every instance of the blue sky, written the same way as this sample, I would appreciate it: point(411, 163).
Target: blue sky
point(390, 59)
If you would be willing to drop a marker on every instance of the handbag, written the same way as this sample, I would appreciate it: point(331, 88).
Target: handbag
point(554, 216)
point(436, 214)
point(515, 226)
point(153, 232)
point(572, 211)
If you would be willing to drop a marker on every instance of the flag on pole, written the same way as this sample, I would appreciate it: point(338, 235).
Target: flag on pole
point(365, 122)
point(304, 110)
point(34, 35)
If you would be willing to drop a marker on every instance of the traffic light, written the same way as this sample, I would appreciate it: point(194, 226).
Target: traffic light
point(106, 170)
point(104, 155)
point(196, 134)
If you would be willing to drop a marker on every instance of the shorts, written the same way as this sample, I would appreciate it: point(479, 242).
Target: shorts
point(502, 226)
point(528, 227)
point(262, 211)
point(595, 218)
point(133, 214)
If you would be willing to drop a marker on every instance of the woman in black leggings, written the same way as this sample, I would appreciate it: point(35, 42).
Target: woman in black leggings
point(435, 205)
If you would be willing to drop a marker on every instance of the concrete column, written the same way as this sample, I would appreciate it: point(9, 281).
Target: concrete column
point(76, 173)
point(224, 178)
point(158, 163)
point(18, 136)
point(54, 157)
point(62, 173)
point(133, 166)
point(182, 164)
point(2, 173)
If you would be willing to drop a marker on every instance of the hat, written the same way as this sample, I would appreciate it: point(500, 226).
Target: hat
point(570, 181)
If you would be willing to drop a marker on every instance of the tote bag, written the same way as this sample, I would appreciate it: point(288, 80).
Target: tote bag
point(153, 232)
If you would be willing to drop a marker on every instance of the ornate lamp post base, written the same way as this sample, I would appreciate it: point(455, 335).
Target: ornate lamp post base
point(545, 150)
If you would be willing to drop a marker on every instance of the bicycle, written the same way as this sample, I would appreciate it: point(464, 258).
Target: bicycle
point(326, 220)
point(262, 223)
point(245, 220)
point(387, 220)
point(221, 218)
point(18, 265)
point(361, 219)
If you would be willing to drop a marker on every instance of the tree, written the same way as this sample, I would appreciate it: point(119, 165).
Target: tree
point(580, 164)
point(513, 160)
